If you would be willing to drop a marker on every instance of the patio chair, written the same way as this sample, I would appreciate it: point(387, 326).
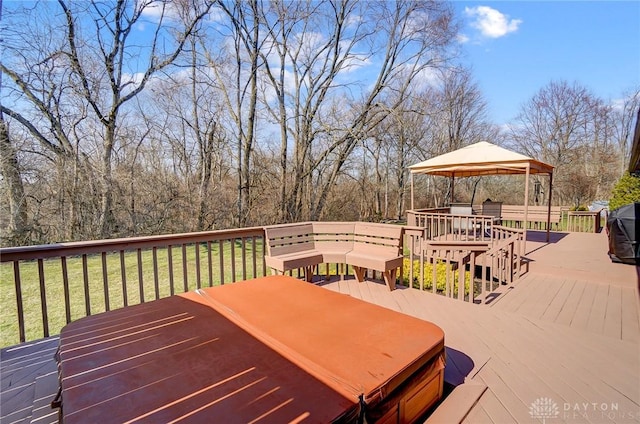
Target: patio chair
point(494, 209)
point(462, 225)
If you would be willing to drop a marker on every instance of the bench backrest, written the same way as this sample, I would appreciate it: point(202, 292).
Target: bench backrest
point(333, 235)
point(382, 239)
point(535, 213)
point(289, 238)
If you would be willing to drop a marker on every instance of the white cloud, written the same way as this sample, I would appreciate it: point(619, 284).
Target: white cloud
point(462, 38)
point(153, 11)
point(491, 22)
point(618, 104)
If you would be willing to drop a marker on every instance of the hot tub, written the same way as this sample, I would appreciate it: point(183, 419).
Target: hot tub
point(273, 349)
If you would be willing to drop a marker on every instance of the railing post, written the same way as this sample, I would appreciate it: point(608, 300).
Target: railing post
point(105, 280)
point(472, 269)
point(20, 307)
point(43, 299)
point(65, 284)
point(140, 275)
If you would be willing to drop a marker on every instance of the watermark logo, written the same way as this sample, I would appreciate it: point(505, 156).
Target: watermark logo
point(544, 408)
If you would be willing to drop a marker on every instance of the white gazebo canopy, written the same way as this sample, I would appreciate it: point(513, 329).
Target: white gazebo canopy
point(481, 158)
point(484, 158)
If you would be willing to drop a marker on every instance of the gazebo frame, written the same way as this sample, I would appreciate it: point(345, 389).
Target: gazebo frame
point(481, 159)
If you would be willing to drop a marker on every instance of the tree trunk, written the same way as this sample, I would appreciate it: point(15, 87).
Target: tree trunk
point(106, 196)
point(10, 169)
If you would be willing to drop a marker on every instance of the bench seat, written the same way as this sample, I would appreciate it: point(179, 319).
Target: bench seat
point(291, 261)
point(536, 216)
point(359, 244)
point(334, 240)
point(366, 260)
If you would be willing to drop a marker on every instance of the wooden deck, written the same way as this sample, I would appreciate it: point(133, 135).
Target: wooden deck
point(569, 331)
point(565, 338)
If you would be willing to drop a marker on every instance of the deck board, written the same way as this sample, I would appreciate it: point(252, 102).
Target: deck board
point(19, 368)
point(598, 311)
point(630, 323)
point(557, 303)
point(613, 315)
point(507, 398)
point(543, 293)
point(491, 408)
point(595, 307)
point(584, 308)
point(570, 306)
point(528, 359)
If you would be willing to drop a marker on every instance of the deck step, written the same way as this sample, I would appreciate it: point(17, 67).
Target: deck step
point(458, 404)
point(46, 388)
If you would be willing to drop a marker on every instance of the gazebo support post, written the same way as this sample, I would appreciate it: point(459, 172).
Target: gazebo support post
point(411, 176)
point(452, 186)
point(549, 205)
point(526, 208)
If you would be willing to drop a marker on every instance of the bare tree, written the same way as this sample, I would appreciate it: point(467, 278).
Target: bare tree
point(242, 96)
point(584, 138)
point(16, 228)
point(404, 39)
point(393, 145)
point(38, 76)
point(454, 115)
point(92, 64)
point(553, 125)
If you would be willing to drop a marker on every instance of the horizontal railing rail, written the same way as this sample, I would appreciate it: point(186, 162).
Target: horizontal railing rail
point(561, 218)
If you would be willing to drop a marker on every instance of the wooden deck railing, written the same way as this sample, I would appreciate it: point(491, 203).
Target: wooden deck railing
point(441, 225)
point(464, 269)
point(506, 254)
point(95, 276)
point(45, 287)
point(562, 219)
point(584, 221)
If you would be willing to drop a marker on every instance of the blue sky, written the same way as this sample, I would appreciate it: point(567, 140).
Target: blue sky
point(515, 48)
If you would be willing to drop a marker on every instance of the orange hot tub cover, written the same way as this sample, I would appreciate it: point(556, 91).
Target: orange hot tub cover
point(274, 349)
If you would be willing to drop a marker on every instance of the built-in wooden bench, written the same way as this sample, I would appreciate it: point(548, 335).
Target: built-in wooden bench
point(537, 215)
point(362, 245)
point(292, 246)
